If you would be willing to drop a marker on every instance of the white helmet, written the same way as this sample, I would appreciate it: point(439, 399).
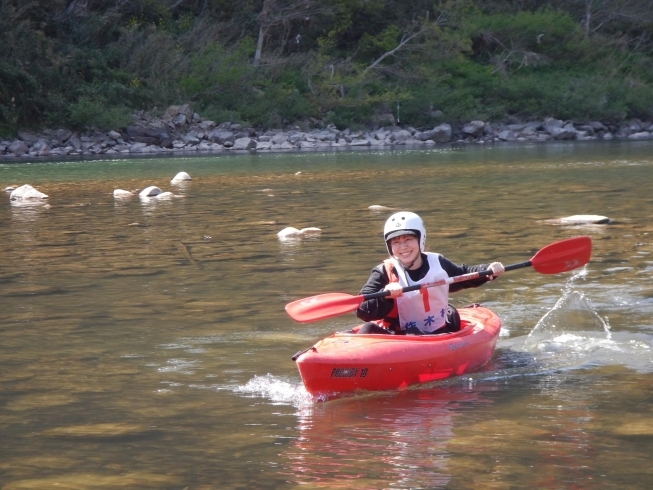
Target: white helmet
point(404, 223)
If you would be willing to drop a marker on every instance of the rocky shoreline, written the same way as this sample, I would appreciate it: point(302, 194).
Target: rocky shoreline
point(180, 129)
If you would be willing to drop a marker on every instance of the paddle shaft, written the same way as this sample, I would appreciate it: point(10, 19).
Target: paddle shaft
point(562, 256)
point(449, 280)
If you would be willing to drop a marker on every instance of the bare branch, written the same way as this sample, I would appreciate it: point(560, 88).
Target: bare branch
point(405, 40)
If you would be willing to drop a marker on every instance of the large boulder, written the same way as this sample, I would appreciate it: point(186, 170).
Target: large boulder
point(244, 144)
point(441, 133)
point(474, 128)
point(642, 135)
point(62, 135)
point(220, 136)
point(279, 138)
point(551, 124)
point(565, 133)
point(18, 148)
point(150, 136)
point(507, 135)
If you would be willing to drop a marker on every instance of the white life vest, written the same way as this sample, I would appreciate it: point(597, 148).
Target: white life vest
point(425, 308)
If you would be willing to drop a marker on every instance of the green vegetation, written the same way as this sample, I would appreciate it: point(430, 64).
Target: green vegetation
point(77, 63)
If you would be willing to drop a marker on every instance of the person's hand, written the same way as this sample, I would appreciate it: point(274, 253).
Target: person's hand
point(395, 289)
point(497, 269)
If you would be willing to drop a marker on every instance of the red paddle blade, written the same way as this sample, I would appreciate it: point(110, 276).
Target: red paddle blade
point(322, 306)
point(563, 256)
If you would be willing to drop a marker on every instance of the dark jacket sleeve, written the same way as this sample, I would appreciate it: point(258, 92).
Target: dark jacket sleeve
point(375, 309)
point(458, 270)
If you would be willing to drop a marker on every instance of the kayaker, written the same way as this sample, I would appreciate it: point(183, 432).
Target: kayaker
point(423, 312)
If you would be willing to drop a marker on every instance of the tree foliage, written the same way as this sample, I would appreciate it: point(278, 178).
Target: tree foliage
point(80, 63)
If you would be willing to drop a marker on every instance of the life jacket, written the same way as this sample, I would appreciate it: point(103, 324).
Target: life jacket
point(391, 320)
point(425, 309)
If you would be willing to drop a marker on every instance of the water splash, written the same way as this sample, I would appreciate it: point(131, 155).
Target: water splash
point(573, 335)
point(276, 390)
point(572, 313)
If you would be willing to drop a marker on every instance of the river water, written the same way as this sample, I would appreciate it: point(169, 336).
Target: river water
point(145, 344)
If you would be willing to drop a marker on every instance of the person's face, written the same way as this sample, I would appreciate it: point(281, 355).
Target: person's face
point(405, 249)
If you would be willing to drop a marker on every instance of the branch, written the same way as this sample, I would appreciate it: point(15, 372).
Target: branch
point(404, 41)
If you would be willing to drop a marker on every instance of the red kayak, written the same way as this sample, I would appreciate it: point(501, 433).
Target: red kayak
point(347, 362)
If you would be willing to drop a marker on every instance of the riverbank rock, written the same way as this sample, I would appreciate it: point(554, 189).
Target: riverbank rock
point(27, 193)
point(180, 129)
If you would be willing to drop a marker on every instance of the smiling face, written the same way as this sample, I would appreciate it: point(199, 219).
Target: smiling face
point(405, 248)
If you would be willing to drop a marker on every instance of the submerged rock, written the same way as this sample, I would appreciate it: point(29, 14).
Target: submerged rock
point(291, 232)
point(180, 177)
point(376, 207)
point(150, 191)
point(27, 193)
point(122, 193)
point(579, 219)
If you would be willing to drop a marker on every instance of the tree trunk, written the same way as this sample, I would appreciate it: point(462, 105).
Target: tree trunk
point(588, 18)
point(259, 45)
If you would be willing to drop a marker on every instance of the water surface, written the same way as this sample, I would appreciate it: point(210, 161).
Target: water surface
point(145, 344)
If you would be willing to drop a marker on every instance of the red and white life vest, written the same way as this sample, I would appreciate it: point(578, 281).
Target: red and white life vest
point(425, 308)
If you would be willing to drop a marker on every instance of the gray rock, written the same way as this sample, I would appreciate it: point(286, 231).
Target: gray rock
point(442, 133)
point(642, 135)
point(244, 144)
point(179, 120)
point(62, 135)
point(474, 128)
point(326, 136)
point(279, 138)
point(566, 133)
point(114, 135)
point(151, 136)
point(297, 137)
point(597, 126)
point(400, 136)
point(191, 137)
point(207, 125)
point(28, 138)
point(221, 136)
point(587, 128)
point(551, 124)
point(18, 148)
point(507, 135)
point(137, 147)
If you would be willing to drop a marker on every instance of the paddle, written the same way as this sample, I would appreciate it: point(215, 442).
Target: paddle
point(557, 257)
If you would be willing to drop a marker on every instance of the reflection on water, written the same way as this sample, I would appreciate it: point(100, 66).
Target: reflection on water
point(362, 443)
point(145, 345)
